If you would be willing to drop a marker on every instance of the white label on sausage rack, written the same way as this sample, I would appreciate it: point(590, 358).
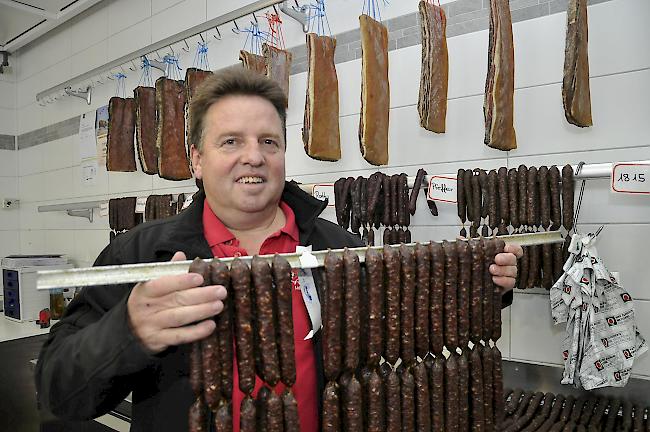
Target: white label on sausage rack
point(631, 178)
point(310, 297)
point(442, 188)
point(324, 192)
point(140, 204)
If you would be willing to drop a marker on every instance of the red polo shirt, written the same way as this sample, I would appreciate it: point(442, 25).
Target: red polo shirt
point(224, 244)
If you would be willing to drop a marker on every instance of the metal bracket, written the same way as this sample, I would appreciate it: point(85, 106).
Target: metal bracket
point(86, 95)
point(297, 13)
point(84, 213)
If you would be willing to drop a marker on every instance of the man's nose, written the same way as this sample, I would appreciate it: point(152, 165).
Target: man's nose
point(252, 154)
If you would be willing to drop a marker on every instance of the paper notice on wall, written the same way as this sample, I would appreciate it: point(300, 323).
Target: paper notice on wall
point(89, 172)
point(86, 137)
point(101, 133)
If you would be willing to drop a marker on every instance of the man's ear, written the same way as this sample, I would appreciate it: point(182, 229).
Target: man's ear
point(196, 162)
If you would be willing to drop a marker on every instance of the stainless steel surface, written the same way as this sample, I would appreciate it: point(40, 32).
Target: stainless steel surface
point(132, 273)
point(164, 43)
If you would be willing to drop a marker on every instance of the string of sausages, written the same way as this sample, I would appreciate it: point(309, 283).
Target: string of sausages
point(364, 205)
point(258, 317)
point(408, 339)
point(521, 200)
point(539, 412)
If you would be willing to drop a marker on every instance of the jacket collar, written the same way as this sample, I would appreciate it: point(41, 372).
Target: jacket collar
point(185, 231)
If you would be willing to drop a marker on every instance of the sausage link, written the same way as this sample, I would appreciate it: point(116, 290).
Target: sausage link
point(547, 266)
point(521, 409)
point(476, 304)
point(577, 409)
point(437, 390)
point(346, 196)
point(241, 284)
point(460, 196)
point(532, 210)
point(375, 275)
point(196, 373)
point(513, 198)
point(451, 295)
point(247, 415)
point(476, 199)
point(392, 271)
point(549, 421)
point(484, 197)
point(355, 194)
point(211, 367)
point(463, 232)
point(223, 418)
point(387, 235)
point(284, 329)
point(422, 398)
point(488, 286)
point(394, 199)
point(372, 195)
point(401, 236)
point(534, 265)
point(588, 411)
point(332, 344)
point(451, 394)
point(627, 416)
point(262, 407)
point(352, 309)
point(504, 206)
point(375, 403)
point(198, 417)
point(528, 415)
point(395, 236)
point(433, 208)
point(363, 201)
point(413, 199)
point(492, 184)
point(339, 203)
point(513, 403)
point(612, 415)
point(638, 419)
point(599, 412)
point(407, 383)
point(393, 402)
point(387, 218)
point(556, 209)
point(331, 413)
point(422, 295)
point(404, 198)
point(401, 209)
point(558, 260)
point(544, 196)
point(524, 262)
point(371, 237)
point(499, 246)
point(522, 180)
point(407, 304)
point(220, 275)
point(464, 288)
point(488, 382)
point(477, 389)
point(274, 415)
point(437, 298)
point(568, 184)
point(463, 392)
point(266, 331)
point(407, 236)
point(468, 184)
point(473, 230)
point(564, 414)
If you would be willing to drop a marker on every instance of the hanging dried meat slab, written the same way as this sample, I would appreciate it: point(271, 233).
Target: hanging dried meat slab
point(173, 163)
point(278, 66)
point(145, 128)
point(320, 134)
point(253, 62)
point(575, 86)
point(120, 153)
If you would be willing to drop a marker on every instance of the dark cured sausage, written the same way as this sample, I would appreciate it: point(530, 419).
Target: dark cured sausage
point(513, 198)
point(407, 388)
point(558, 260)
point(290, 409)
point(567, 197)
point(556, 210)
point(544, 196)
point(499, 246)
point(513, 403)
point(392, 272)
point(247, 415)
point(521, 421)
point(407, 304)
point(451, 295)
point(223, 418)
point(422, 398)
point(220, 275)
point(241, 284)
point(261, 408)
point(534, 265)
point(476, 199)
point(332, 344)
point(504, 205)
point(492, 205)
point(394, 199)
point(387, 235)
point(638, 419)
point(497, 386)
point(363, 201)
point(413, 199)
point(375, 404)
point(532, 200)
point(554, 414)
point(422, 295)
point(488, 287)
point(476, 302)
point(352, 310)
point(522, 182)
point(463, 393)
point(196, 375)
point(274, 415)
point(597, 416)
point(437, 390)
point(547, 266)
point(524, 262)
point(488, 382)
point(352, 410)
point(211, 367)
point(460, 196)
point(374, 193)
point(375, 277)
point(464, 288)
point(265, 320)
point(339, 203)
point(451, 394)
point(477, 413)
point(612, 415)
point(347, 201)
point(468, 184)
point(331, 416)
point(284, 307)
point(436, 300)
point(483, 196)
point(198, 417)
point(393, 402)
point(588, 410)
point(387, 217)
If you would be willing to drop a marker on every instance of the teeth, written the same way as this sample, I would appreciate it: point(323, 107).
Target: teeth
point(247, 180)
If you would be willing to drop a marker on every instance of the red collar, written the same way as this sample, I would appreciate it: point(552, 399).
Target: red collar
point(216, 232)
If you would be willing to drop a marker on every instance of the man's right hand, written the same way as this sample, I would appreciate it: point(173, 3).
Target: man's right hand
point(173, 310)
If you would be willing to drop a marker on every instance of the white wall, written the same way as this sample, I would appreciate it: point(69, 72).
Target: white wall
point(620, 70)
point(9, 241)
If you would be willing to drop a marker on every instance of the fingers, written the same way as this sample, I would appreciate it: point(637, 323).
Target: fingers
point(168, 284)
point(506, 259)
point(179, 256)
point(193, 296)
point(187, 334)
point(515, 249)
point(507, 283)
point(181, 316)
point(507, 271)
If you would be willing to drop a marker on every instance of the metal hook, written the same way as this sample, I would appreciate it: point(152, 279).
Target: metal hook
point(255, 18)
point(275, 9)
point(172, 50)
point(236, 30)
point(218, 32)
point(582, 193)
point(187, 49)
point(201, 36)
point(158, 56)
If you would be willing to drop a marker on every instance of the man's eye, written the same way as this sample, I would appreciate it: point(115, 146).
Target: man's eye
point(229, 142)
point(270, 141)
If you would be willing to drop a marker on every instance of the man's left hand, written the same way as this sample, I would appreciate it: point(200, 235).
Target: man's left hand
point(504, 269)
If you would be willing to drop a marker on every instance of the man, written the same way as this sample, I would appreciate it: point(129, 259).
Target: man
point(120, 339)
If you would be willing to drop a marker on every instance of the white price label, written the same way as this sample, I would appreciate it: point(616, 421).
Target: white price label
point(442, 188)
point(324, 192)
point(310, 297)
point(187, 202)
point(140, 204)
point(631, 178)
point(103, 209)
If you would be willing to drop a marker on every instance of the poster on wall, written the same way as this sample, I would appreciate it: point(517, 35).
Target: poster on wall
point(88, 148)
point(101, 134)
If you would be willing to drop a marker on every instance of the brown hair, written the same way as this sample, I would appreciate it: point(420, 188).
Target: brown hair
point(233, 81)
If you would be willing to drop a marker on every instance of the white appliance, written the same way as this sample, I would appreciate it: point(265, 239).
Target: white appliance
point(22, 301)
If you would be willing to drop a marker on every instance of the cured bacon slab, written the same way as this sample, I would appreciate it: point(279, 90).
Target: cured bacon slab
point(193, 78)
point(575, 86)
point(500, 84)
point(120, 152)
point(375, 91)
point(320, 133)
point(434, 80)
point(145, 128)
point(278, 66)
point(253, 62)
point(173, 163)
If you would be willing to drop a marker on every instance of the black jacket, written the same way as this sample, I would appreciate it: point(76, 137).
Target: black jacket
point(92, 360)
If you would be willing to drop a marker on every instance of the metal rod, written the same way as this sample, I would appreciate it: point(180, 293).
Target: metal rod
point(133, 273)
point(71, 206)
point(193, 31)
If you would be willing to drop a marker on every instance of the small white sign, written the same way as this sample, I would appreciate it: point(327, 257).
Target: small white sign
point(103, 209)
point(324, 192)
point(140, 204)
point(187, 202)
point(631, 178)
point(87, 138)
point(89, 172)
point(442, 188)
point(310, 297)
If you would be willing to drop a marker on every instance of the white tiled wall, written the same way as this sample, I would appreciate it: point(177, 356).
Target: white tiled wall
point(620, 70)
